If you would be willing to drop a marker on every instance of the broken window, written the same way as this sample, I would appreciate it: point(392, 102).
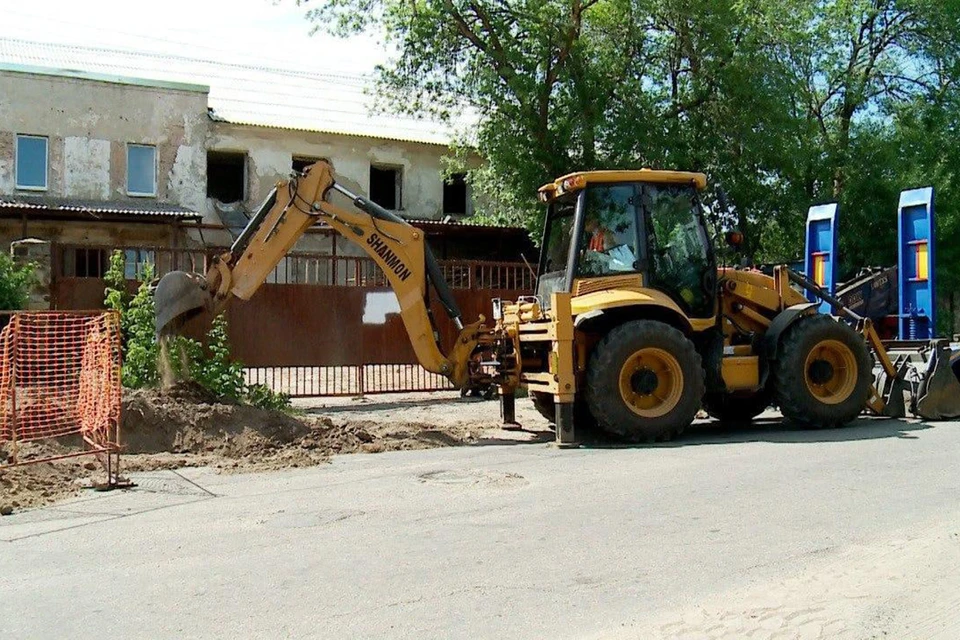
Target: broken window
point(302, 162)
point(386, 185)
point(455, 194)
point(227, 175)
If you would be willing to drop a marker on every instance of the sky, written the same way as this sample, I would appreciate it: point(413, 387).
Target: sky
point(268, 32)
point(269, 66)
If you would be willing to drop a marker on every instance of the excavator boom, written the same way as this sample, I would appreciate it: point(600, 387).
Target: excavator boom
point(295, 205)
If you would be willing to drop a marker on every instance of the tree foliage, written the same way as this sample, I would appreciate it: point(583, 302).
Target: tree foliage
point(784, 103)
point(15, 281)
point(140, 347)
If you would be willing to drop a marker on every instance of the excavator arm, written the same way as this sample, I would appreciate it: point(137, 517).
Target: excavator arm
point(295, 205)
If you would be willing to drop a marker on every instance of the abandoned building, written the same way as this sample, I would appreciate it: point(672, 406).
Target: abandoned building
point(91, 162)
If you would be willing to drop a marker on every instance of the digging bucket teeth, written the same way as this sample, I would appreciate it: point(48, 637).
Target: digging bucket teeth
point(178, 297)
point(891, 389)
point(937, 394)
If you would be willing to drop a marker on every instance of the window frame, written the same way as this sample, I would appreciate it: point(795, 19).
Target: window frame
point(710, 257)
point(46, 163)
point(139, 194)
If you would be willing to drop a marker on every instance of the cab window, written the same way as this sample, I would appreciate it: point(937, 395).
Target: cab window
point(609, 241)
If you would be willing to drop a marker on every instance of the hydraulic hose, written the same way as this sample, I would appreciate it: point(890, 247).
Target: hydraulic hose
point(433, 269)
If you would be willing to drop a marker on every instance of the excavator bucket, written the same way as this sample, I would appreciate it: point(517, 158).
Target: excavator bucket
point(937, 395)
point(178, 297)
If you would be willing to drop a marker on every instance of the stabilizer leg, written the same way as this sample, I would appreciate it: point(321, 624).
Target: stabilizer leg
point(566, 435)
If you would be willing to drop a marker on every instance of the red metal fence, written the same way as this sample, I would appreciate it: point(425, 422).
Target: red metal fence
point(90, 262)
point(321, 324)
point(347, 380)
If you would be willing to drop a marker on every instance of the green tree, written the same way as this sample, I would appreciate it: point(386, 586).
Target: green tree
point(565, 86)
point(785, 104)
point(140, 347)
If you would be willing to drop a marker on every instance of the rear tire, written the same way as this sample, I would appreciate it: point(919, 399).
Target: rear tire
point(644, 382)
point(733, 408)
point(823, 374)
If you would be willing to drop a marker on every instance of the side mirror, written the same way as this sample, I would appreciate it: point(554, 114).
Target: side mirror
point(734, 239)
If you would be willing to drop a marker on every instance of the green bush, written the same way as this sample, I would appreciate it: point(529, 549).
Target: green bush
point(260, 395)
point(15, 284)
point(213, 367)
point(140, 347)
point(210, 366)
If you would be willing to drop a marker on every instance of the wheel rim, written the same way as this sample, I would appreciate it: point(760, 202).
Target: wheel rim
point(651, 382)
point(830, 371)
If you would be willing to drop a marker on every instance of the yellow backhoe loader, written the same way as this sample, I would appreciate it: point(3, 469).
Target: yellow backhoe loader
point(633, 328)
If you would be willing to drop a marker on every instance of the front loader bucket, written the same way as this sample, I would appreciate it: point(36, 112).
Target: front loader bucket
point(179, 296)
point(938, 392)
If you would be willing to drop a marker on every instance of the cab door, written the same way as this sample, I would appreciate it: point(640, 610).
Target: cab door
point(682, 263)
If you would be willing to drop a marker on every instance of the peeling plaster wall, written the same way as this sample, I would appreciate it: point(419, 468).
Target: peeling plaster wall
point(270, 154)
point(86, 163)
point(89, 123)
point(6, 155)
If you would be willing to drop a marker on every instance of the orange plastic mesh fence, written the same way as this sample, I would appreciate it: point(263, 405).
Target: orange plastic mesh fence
point(60, 375)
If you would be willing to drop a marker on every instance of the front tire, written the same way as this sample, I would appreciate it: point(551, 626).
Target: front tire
point(823, 373)
point(644, 382)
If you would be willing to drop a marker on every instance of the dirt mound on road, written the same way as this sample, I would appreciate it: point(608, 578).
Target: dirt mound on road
point(186, 426)
point(187, 419)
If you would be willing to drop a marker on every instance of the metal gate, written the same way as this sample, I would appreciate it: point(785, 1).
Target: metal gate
point(321, 324)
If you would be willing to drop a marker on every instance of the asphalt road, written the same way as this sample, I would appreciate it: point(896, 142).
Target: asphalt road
point(762, 532)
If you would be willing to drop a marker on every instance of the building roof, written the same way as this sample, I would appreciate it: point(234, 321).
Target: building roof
point(241, 93)
point(142, 209)
point(459, 226)
point(102, 77)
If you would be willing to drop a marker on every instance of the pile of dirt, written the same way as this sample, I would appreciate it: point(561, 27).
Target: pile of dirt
point(186, 426)
point(187, 419)
point(41, 483)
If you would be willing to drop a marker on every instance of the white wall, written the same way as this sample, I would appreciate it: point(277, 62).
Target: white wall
point(88, 124)
point(271, 152)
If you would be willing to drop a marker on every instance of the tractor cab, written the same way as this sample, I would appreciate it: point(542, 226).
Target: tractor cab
point(639, 229)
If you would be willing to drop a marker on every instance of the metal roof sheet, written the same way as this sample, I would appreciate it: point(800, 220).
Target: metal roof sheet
point(134, 208)
point(248, 94)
